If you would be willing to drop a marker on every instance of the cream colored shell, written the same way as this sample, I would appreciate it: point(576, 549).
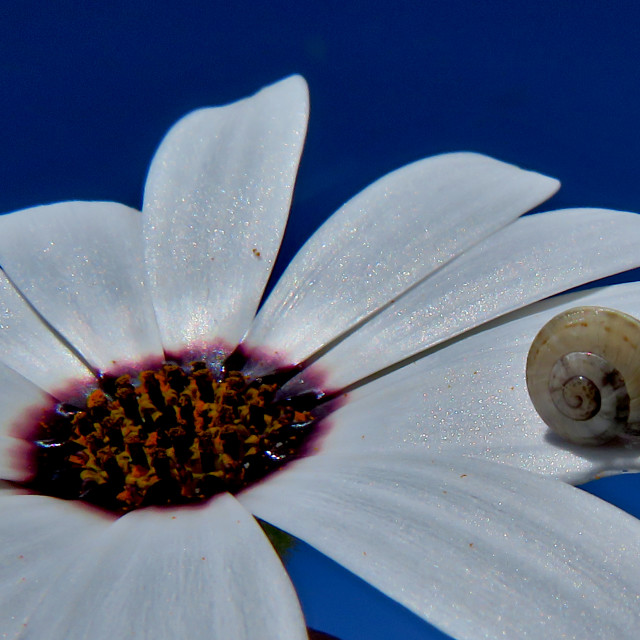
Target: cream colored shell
point(583, 374)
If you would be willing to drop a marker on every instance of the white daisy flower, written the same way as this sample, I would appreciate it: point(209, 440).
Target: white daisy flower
point(417, 479)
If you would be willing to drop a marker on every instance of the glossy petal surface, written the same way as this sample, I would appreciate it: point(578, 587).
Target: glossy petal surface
point(531, 259)
point(29, 346)
point(205, 573)
point(81, 265)
point(471, 398)
point(216, 203)
point(389, 236)
point(479, 549)
point(41, 537)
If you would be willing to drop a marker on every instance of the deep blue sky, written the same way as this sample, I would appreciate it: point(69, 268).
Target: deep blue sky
point(88, 89)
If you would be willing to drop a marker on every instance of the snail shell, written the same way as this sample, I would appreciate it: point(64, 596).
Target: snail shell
point(583, 375)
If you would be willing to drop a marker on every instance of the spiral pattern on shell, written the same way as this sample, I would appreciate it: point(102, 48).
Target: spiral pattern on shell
point(583, 375)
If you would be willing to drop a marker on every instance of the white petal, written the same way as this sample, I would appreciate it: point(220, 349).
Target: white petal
point(39, 539)
point(29, 346)
point(6, 489)
point(394, 233)
point(22, 405)
point(14, 457)
point(201, 573)
point(18, 399)
point(533, 258)
point(81, 265)
point(216, 203)
point(471, 398)
point(480, 550)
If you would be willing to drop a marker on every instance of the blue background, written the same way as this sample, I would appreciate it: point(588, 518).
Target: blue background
point(88, 89)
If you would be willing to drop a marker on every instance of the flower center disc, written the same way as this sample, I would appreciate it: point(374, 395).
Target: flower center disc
point(173, 436)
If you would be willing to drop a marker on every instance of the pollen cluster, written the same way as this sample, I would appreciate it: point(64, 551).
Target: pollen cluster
point(172, 436)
